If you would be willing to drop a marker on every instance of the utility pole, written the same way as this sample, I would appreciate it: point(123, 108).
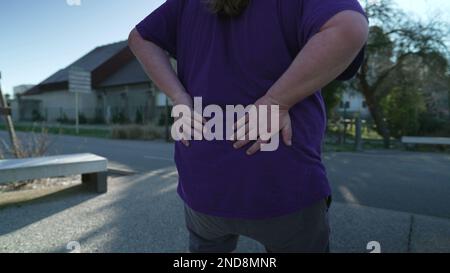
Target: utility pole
point(6, 112)
point(80, 81)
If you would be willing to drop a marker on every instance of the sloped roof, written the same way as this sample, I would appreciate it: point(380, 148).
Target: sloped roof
point(88, 62)
point(101, 62)
point(131, 73)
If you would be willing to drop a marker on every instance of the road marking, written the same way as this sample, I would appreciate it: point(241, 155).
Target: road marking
point(158, 158)
point(348, 195)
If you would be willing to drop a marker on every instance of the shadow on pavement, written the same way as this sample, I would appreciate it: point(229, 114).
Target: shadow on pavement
point(34, 210)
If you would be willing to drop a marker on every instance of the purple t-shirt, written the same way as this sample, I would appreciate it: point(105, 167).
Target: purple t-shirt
point(234, 61)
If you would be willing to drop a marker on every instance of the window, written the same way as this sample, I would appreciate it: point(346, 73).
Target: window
point(344, 105)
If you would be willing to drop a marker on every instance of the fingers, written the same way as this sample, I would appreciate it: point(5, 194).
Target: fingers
point(238, 145)
point(186, 143)
point(198, 117)
point(246, 139)
point(240, 128)
point(244, 132)
point(242, 122)
point(255, 147)
point(185, 137)
point(286, 133)
point(245, 129)
point(194, 125)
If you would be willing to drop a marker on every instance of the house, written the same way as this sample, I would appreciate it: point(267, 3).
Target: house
point(120, 91)
point(20, 89)
point(353, 102)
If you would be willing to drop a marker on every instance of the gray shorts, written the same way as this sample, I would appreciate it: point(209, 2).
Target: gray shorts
point(306, 231)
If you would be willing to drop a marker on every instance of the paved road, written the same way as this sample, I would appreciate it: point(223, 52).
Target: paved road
point(401, 181)
point(142, 213)
point(138, 156)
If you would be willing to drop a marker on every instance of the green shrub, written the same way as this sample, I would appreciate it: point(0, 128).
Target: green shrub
point(64, 119)
point(36, 116)
point(82, 119)
point(403, 108)
point(430, 125)
point(163, 115)
point(120, 118)
point(139, 119)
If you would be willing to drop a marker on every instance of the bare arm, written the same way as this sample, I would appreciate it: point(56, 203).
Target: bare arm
point(323, 58)
point(156, 64)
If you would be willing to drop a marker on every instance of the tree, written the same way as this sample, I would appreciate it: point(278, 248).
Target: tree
point(404, 120)
point(395, 39)
point(332, 96)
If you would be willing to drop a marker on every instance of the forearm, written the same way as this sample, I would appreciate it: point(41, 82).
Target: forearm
point(322, 60)
point(156, 64)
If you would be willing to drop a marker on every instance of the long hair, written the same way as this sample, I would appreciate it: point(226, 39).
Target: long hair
point(229, 8)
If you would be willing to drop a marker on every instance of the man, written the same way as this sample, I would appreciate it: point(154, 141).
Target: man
point(264, 52)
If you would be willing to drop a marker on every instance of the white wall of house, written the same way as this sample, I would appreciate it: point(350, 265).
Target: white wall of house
point(55, 104)
point(126, 101)
point(353, 102)
point(105, 103)
point(131, 100)
point(135, 95)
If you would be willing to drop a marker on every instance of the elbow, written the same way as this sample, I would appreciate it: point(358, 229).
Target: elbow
point(133, 39)
point(358, 30)
point(352, 26)
point(361, 32)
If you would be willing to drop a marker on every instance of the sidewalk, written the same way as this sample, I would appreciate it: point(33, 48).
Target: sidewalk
point(142, 213)
point(355, 226)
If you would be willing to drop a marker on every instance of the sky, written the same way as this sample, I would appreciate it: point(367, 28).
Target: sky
point(37, 38)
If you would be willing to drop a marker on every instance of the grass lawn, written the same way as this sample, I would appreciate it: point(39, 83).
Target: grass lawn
point(371, 140)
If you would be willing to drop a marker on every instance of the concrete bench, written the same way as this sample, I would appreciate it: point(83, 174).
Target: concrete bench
point(93, 169)
point(426, 140)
